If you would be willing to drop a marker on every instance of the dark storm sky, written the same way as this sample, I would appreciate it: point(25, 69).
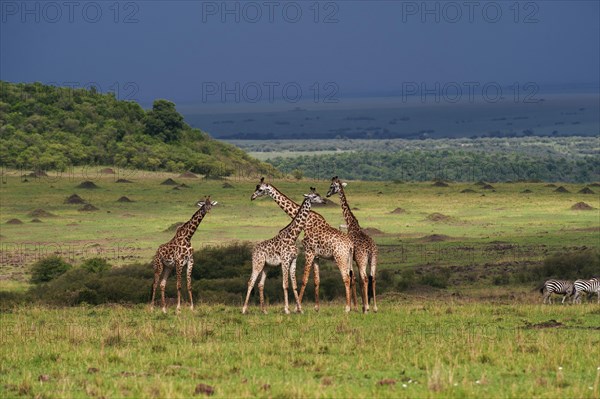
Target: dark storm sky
point(175, 50)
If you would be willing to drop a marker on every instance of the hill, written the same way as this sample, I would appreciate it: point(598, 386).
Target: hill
point(48, 127)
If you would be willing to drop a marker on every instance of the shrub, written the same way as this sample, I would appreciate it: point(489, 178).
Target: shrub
point(572, 265)
point(48, 269)
point(437, 280)
point(95, 265)
point(228, 261)
point(567, 265)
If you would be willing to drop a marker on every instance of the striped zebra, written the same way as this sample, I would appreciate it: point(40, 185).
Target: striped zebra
point(563, 287)
point(588, 286)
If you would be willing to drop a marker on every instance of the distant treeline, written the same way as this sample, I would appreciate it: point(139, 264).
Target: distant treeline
point(48, 127)
point(452, 165)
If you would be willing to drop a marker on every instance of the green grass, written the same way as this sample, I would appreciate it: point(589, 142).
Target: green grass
point(535, 224)
point(412, 348)
point(473, 339)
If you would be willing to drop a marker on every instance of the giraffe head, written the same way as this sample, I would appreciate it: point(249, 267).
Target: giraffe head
point(261, 189)
point(314, 197)
point(206, 204)
point(335, 186)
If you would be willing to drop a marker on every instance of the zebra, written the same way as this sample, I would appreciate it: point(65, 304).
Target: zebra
point(563, 287)
point(588, 286)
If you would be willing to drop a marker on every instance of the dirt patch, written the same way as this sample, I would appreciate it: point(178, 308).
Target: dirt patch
point(440, 184)
point(546, 324)
point(123, 181)
point(586, 190)
point(40, 213)
point(527, 191)
point(87, 185)
point(203, 389)
point(587, 229)
point(74, 199)
point(14, 221)
point(169, 182)
point(582, 206)
point(480, 183)
point(107, 171)
point(468, 190)
point(387, 381)
point(550, 185)
point(436, 238)
point(227, 185)
point(173, 227)
point(124, 199)
point(398, 211)
point(595, 184)
point(488, 187)
point(36, 220)
point(88, 208)
point(438, 217)
point(561, 189)
point(371, 231)
point(188, 175)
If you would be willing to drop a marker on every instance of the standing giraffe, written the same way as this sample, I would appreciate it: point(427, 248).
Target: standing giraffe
point(320, 241)
point(365, 249)
point(281, 250)
point(176, 254)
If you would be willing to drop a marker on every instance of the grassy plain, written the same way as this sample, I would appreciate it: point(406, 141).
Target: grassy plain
point(489, 341)
point(414, 347)
point(490, 226)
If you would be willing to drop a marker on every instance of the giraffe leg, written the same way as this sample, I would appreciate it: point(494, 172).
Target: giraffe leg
point(309, 258)
point(179, 270)
point(285, 271)
point(353, 296)
point(158, 269)
point(373, 279)
point(362, 259)
point(190, 266)
point(295, 286)
point(346, 279)
point(255, 272)
point(364, 288)
point(163, 285)
point(261, 291)
point(317, 278)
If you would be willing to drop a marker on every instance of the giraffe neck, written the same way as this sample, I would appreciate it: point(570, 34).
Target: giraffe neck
point(288, 206)
point(187, 230)
point(349, 217)
point(298, 223)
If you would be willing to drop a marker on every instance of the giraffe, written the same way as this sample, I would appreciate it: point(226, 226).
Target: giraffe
point(320, 241)
point(176, 254)
point(281, 250)
point(365, 249)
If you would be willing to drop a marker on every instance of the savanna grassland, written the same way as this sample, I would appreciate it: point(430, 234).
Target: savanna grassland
point(480, 336)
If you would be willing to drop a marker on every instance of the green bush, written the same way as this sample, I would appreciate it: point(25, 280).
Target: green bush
point(95, 265)
point(437, 280)
point(48, 269)
point(566, 265)
point(572, 265)
point(228, 261)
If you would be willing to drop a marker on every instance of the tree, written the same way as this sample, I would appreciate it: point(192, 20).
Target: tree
point(164, 121)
